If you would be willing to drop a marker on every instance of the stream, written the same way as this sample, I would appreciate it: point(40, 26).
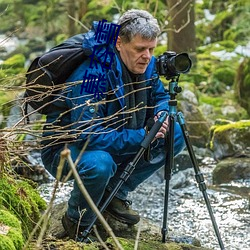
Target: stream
point(187, 212)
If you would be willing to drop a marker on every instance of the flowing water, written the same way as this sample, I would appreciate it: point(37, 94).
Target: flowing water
point(187, 212)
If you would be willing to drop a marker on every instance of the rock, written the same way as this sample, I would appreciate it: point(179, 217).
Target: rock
point(197, 125)
point(231, 169)
point(181, 179)
point(188, 95)
point(229, 140)
point(149, 238)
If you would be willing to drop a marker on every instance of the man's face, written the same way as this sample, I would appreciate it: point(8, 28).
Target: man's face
point(137, 53)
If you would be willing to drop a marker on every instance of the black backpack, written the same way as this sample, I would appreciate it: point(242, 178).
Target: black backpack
point(48, 73)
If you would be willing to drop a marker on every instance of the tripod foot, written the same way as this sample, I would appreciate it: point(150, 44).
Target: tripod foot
point(164, 232)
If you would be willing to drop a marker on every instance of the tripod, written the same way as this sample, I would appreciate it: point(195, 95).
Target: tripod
point(173, 90)
point(169, 163)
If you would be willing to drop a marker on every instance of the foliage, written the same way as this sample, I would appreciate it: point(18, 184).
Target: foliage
point(228, 23)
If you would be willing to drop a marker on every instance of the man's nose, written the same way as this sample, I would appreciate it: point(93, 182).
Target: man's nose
point(146, 54)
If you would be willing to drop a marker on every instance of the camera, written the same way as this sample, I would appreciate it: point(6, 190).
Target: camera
point(171, 65)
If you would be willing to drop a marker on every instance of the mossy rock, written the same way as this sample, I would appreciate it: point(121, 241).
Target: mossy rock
point(150, 235)
point(231, 169)
point(21, 199)
point(232, 139)
point(10, 231)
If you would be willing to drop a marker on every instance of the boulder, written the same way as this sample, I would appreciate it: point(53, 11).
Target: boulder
point(150, 235)
point(197, 125)
point(230, 140)
point(231, 169)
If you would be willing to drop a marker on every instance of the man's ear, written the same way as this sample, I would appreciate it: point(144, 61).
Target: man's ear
point(118, 43)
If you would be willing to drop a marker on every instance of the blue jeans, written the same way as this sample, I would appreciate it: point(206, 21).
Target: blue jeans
point(100, 170)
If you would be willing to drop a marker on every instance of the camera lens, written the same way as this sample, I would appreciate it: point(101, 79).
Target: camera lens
point(182, 63)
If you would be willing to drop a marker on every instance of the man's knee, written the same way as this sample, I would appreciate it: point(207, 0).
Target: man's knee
point(97, 165)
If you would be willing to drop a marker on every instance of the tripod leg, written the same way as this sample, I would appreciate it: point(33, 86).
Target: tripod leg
point(199, 177)
point(168, 173)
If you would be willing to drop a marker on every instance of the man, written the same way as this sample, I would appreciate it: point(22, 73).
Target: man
point(112, 125)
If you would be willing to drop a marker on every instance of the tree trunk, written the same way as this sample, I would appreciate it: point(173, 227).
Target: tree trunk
point(83, 7)
point(181, 27)
point(71, 6)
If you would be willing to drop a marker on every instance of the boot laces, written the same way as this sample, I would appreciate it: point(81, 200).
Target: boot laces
point(127, 203)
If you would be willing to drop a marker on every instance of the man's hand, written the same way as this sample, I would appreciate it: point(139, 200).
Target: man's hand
point(164, 128)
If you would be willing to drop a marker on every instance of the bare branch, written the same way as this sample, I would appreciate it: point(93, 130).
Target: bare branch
point(66, 154)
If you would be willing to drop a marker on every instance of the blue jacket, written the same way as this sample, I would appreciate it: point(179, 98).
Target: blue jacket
point(96, 120)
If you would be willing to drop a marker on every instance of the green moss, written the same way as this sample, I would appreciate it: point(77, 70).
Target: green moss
point(13, 71)
point(228, 45)
point(212, 100)
point(16, 61)
point(225, 75)
point(9, 219)
point(13, 238)
point(6, 243)
point(128, 244)
point(22, 200)
point(236, 125)
point(16, 237)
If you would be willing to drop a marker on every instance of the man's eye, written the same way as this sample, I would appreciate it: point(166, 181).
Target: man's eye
point(139, 49)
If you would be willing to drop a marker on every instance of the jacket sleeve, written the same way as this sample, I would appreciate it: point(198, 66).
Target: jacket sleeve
point(88, 123)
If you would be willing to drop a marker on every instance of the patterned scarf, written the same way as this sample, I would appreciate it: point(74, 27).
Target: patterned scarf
point(135, 97)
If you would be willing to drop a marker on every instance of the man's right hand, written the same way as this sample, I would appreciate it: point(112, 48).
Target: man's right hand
point(163, 129)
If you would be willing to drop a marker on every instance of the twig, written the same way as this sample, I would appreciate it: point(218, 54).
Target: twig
point(137, 236)
point(99, 238)
point(77, 21)
point(66, 154)
point(45, 217)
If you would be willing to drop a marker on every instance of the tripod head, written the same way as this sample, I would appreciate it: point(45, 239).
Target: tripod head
point(174, 89)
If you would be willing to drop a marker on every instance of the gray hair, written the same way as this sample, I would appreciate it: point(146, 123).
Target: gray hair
point(138, 22)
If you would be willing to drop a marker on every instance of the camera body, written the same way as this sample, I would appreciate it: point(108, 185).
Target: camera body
point(171, 65)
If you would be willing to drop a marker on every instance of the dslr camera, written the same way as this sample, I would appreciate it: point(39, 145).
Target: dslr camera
point(171, 65)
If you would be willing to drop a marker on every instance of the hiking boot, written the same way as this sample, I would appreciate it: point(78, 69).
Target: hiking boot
point(75, 231)
point(121, 211)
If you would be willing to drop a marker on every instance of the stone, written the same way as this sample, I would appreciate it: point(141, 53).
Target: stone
point(231, 169)
point(197, 125)
point(230, 140)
